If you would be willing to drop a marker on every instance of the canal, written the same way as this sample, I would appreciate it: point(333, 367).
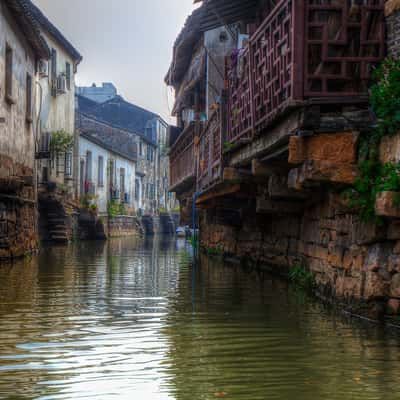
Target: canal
point(128, 319)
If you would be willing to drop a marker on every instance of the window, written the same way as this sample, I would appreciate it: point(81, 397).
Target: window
point(9, 73)
point(68, 75)
point(29, 98)
point(122, 181)
point(53, 75)
point(68, 164)
point(100, 172)
point(137, 189)
point(150, 153)
point(140, 149)
point(89, 166)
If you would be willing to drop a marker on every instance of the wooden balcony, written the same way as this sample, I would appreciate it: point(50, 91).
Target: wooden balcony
point(182, 160)
point(210, 153)
point(304, 51)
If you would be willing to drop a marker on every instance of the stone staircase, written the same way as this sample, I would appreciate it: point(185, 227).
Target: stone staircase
point(56, 219)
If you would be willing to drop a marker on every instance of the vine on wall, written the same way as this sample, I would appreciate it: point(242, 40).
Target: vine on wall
point(376, 177)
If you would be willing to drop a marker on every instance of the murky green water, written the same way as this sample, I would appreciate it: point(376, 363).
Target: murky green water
point(132, 320)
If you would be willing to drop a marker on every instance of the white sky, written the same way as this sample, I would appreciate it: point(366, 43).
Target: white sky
point(126, 42)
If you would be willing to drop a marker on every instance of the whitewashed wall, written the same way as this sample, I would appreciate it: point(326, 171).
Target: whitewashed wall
point(16, 133)
point(102, 192)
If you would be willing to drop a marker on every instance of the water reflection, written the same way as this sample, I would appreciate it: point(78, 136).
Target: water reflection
point(133, 319)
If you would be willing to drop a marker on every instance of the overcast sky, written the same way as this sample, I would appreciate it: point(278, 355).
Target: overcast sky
point(126, 42)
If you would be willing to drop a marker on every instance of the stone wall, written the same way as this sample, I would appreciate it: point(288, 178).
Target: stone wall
point(354, 263)
point(18, 235)
point(392, 12)
point(122, 225)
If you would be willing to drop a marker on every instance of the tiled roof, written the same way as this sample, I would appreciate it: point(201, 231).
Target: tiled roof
point(22, 11)
point(120, 114)
point(58, 36)
point(107, 136)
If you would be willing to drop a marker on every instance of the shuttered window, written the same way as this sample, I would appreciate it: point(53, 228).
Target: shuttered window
point(100, 172)
point(28, 97)
point(9, 73)
point(68, 75)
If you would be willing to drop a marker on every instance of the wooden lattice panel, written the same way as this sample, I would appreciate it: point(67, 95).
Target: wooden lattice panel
point(210, 154)
point(345, 39)
point(182, 163)
point(272, 61)
point(240, 99)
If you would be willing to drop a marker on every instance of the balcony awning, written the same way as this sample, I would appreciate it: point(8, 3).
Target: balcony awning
point(224, 12)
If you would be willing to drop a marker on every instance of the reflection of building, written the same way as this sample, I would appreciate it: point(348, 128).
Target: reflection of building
point(21, 46)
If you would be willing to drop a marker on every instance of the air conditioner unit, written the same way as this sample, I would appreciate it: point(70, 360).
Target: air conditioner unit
point(43, 68)
point(61, 84)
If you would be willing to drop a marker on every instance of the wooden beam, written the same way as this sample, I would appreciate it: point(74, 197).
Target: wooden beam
point(219, 192)
point(236, 175)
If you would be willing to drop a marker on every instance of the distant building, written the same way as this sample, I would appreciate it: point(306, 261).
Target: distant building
point(108, 158)
point(149, 131)
point(99, 94)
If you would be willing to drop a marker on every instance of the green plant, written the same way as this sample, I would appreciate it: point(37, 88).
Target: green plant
point(62, 188)
point(374, 176)
point(385, 96)
point(228, 145)
point(113, 208)
point(300, 276)
point(93, 207)
point(61, 141)
point(87, 201)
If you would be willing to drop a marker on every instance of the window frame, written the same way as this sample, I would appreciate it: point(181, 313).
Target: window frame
point(9, 66)
point(100, 171)
point(29, 98)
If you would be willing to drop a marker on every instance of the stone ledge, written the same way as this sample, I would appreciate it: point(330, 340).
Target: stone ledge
point(386, 204)
point(391, 7)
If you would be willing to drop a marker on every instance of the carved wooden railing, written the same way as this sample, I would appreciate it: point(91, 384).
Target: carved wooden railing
point(210, 153)
point(304, 49)
point(182, 157)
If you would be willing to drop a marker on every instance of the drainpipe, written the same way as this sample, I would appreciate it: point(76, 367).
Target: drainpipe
point(194, 218)
point(37, 135)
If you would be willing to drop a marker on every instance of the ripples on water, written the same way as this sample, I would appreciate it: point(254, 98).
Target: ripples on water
point(133, 320)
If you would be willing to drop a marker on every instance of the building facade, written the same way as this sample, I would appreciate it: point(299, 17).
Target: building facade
point(108, 166)
point(21, 47)
point(98, 94)
point(273, 155)
point(56, 109)
point(149, 132)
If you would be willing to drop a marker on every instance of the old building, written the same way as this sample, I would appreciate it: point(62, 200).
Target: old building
point(269, 140)
point(21, 47)
point(98, 94)
point(58, 142)
point(108, 159)
point(149, 132)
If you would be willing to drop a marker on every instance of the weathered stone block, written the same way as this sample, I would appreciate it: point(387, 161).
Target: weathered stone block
point(386, 204)
point(395, 286)
point(375, 286)
point(338, 148)
point(391, 6)
point(366, 232)
point(393, 306)
point(393, 230)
